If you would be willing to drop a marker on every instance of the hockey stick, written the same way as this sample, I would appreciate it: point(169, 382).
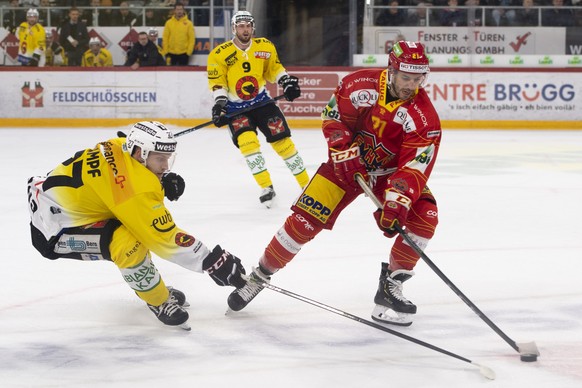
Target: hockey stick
point(528, 351)
point(238, 112)
point(484, 370)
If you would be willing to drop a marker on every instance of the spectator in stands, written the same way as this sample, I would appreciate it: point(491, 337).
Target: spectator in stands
point(422, 15)
point(503, 14)
point(124, 17)
point(202, 15)
point(153, 18)
point(528, 15)
point(97, 55)
point(96, 16)
point(13, 17)
point(47, 16)
point(170, 12)
point(453, 16)
point(159, 9)
point(55, 55)
point(144, 53)
point(74, 38)
point(557, 16)
point(107, 4)
point(391, 16)
point(474, 13)
point(29, 3)
point(178, 40)
point(577, 12)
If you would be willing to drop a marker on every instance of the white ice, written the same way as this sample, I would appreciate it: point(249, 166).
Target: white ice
point(509, 238)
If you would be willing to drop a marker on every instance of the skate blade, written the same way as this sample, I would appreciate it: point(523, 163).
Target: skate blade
point(268, 203)
point(186, 304)
point(185, 326)
point(386, 315)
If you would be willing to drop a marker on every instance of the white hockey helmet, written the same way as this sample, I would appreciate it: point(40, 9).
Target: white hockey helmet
point(32, 12)
point(242, 17)
point(94, 40)
point(151, 136)
point(152, 31)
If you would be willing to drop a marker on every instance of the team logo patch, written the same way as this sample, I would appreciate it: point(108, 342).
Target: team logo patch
point(247, 88)
point(163, 223)
point(184, 240)
point(276, 125)
point(364, 98)
point(399, 184)
point(262, 55)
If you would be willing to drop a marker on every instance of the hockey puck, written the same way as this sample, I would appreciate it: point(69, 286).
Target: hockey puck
point(528, 357)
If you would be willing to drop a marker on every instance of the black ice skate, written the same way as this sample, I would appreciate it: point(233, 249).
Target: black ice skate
point(267, 195)
point(391, 306)
point(239, 298)
point(180, 297)
point(171, 312)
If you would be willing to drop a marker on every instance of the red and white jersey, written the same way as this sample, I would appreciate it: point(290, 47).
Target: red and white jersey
point(398, 139)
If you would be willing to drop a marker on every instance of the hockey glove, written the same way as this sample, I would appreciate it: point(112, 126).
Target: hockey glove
point(394, 212)
point(33, 62)
point(337, 139)
point(290, 85)
point(224, 268)
point(347, 164)
point(174, 185)
point(218, 111)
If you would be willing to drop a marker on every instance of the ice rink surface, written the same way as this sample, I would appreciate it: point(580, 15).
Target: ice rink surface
point(509, 237)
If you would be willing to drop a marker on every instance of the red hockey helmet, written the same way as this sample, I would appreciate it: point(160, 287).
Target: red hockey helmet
point(408, 57)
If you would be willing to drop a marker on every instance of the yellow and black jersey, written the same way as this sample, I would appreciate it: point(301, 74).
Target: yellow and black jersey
point(32, 42)
point(102, 59)
point(243, 74)
point(103, 183)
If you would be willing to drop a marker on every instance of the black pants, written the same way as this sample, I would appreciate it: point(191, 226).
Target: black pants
point(178, 59)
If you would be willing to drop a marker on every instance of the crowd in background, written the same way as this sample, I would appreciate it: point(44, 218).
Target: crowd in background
point(111, 13)
point(68, 18)
point(453, 13)
point(155, 13)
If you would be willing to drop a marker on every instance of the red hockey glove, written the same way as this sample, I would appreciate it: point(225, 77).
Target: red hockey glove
point(337, 139)
point(347, 164)
point(394, 212)
point(224, 268)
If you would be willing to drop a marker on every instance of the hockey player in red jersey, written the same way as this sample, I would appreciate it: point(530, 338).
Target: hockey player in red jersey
point(107, 203)
point(379, 124)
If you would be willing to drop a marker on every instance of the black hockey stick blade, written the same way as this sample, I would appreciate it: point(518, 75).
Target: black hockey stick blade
point(238, 112)
point(484, 370)
point(524, 349)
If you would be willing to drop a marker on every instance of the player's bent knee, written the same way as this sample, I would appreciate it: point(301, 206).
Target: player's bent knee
point(126, 250)
point(423, 219)
point(284, 147)
point(248, 143)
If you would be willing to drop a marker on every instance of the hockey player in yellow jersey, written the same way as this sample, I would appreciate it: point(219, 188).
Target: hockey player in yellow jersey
point(97, 55)
point(238, 72)
point(32, 37)
point(107, 203)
